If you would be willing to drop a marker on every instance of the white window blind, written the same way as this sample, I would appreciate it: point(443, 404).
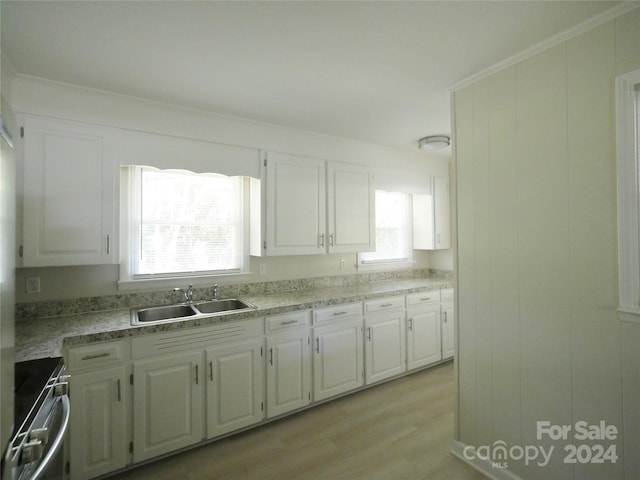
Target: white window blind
point(182, 223)
point(393, 230)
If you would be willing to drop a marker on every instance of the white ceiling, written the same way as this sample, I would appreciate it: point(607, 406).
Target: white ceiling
point(372, 71)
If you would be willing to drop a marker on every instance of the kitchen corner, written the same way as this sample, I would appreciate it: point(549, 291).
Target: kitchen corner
point(42, 329)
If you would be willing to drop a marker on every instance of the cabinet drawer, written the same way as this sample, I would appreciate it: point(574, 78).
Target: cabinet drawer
point(97, 355)
point(287, 321)
point(446, 294)
point(431, 296)
point(382, 304)
point(329, 314)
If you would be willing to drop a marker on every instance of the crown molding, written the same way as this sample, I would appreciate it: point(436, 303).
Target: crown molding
point(553, 41)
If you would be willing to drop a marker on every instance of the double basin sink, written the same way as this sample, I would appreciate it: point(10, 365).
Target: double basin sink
point(188, 311)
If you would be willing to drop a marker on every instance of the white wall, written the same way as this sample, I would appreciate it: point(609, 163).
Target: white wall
point(539, 336)
point(38, 96)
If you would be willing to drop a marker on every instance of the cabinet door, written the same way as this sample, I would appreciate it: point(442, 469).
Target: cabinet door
point(423, 336)
point(295, 205)
point(351, 208)
point(288, 372)
point(70, 193)
point(235, 397)
point(168, 404)
point(337, 361)
point(441, 215)
point(448, 339)
point(97, 427)
point(385, 354)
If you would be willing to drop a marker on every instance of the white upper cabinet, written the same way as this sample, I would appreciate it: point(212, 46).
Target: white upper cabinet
point(70, 193)
point(295, 205)
point(431, 217)
point(350, 208)
point(306, 206)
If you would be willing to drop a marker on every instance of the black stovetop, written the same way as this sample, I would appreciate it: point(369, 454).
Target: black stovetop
point(31, 378)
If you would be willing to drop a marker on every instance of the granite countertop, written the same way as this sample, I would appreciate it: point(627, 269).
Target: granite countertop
point(45, 337)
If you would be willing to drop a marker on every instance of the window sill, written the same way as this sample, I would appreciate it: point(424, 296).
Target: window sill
point(377, 266)
point(629, 314)
point(170, 282)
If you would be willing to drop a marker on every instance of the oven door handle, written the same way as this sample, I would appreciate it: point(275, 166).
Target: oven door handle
point(57, 442)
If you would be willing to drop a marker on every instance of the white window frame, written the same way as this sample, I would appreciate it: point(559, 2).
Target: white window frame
point(128, 281)
point(365, 263)
point(628, 159)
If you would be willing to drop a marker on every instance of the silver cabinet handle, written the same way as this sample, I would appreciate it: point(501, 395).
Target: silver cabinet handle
point(108, 243)
point(197, 376)
point(271, 356)
point(369, 333)
point(118, 389)
point(96, 355)
point(386, 305)
point(211, 371)
point(318, 345)
point(444, 316)
point(289, 322)
point(322, 239)
point(336, 314)
point(331, 240)
point(411, 324)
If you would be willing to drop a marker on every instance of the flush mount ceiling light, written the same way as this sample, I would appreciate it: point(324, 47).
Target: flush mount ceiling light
point(434, 142)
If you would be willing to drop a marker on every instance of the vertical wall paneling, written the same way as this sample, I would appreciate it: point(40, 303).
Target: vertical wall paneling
point(595, 347)
point(482, 252)
point(536, 256)
point(630, 335)
point(466, 281)
point(627, 57)
point(544, 249)
point(505, 363)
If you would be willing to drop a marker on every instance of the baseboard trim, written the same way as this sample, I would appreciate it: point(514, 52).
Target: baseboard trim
point(483, 466)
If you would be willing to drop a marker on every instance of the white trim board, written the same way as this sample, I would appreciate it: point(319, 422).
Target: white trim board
point(628, 192)
point(548, 43)
point(483, 466)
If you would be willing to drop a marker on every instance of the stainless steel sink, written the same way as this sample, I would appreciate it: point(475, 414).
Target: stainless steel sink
point(188, 311)
point(155, 314)
point(227, 305)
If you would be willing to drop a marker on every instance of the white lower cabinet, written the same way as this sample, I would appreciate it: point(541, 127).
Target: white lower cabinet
point(288, 362)
point(448, 321)
point(137, 399)
point(423, 329)
point(167, 404)
point(385, 339)
point(235, 397)
point(99, 396)
point(337, 344)
point(97, 427)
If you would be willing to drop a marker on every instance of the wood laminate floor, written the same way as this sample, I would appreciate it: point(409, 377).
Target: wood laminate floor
point(400, 430)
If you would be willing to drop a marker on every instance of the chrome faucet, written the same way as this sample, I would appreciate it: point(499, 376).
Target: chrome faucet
point(214, 291)
point(188, 295)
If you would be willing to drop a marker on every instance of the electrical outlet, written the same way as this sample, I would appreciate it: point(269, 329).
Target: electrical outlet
point(32, 285)
point(343, 263)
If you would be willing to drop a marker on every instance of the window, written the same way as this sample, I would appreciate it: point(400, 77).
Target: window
point(393, 231)
point(628, 151)
point(180, 223)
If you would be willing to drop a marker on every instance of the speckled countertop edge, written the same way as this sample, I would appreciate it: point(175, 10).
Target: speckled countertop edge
point(46, 337)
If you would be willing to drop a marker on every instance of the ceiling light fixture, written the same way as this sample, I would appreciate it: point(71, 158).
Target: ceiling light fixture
point(434, 142)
